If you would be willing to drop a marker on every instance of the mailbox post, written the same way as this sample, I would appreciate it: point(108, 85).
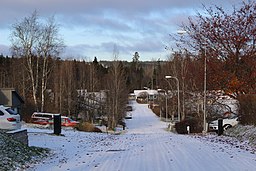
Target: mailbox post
point(220, 127)
point(57, 124)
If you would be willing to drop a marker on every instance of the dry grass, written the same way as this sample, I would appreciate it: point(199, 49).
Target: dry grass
point(87, 127)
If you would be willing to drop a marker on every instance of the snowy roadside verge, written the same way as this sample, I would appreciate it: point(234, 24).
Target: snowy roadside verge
point(17, 156)
point(239, 136)
point(243, 133)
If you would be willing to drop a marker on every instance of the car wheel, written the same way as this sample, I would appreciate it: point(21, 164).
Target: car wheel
point(225, 127)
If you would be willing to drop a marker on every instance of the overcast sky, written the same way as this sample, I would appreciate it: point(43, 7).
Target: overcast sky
point(94, 27)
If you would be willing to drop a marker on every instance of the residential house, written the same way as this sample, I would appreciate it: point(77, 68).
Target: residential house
point(10, 97)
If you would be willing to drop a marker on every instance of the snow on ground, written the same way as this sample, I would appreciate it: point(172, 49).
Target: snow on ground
point(145, 146)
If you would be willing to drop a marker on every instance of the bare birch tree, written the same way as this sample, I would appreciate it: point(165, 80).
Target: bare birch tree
point(49, 47)
point(37, 43)
point(24, 39)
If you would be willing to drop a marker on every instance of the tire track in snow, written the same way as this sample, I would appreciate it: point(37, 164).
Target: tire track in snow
point(145, 143)
point(150, 147)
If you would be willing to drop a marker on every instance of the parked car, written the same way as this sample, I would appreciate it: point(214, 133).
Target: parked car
point(41, 115)
point(48, 119)
point(9, 119)
point(42, 118)
point(128, 115)
point(66, 121)
point(129, 108)
point(227, 123)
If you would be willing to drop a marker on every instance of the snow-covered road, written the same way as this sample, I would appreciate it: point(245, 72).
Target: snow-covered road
point(146, 146)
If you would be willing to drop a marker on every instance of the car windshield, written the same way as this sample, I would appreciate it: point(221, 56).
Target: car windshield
point(12, 112)
point(71, 120)
point(233, 117)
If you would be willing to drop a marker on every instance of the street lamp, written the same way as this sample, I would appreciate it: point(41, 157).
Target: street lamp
point(178, 89)
point(146, 88)
point(166, 105)
point(182, 32)
point(205, 127)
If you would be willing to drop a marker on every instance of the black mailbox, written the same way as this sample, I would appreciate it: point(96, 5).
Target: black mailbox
point(220, 127)
point(57, 124)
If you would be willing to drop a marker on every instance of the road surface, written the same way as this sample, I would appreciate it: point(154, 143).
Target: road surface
point(146, 146)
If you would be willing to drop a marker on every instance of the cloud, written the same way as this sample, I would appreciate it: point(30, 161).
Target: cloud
point(92, 27)
point(13, 9)
point(5, 50)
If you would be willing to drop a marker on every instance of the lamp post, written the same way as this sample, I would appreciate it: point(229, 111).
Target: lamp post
point(205, 127)
point(178, 89)
point(166, 104)
point(182, 32)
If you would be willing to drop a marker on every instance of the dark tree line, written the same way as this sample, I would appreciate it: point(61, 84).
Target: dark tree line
point(65, 79)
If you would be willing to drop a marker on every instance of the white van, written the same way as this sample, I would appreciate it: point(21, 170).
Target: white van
point(227, 123)
point(41, 115)
point(9, 119)
point(42, 118)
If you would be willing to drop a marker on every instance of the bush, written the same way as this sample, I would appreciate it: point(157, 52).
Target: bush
point(195, 125)
point(156, 109)
point(27, 111)
point(141, 100)
point(87, 127)
point(247, 110)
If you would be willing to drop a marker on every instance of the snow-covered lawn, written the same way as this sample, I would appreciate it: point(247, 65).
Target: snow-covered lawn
point(144, 146)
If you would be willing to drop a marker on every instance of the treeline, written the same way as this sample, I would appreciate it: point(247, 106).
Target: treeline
point(66, 78)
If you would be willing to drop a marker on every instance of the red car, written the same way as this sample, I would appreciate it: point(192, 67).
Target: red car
point(47, 119)
point(41, 121)
point(66, 121)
